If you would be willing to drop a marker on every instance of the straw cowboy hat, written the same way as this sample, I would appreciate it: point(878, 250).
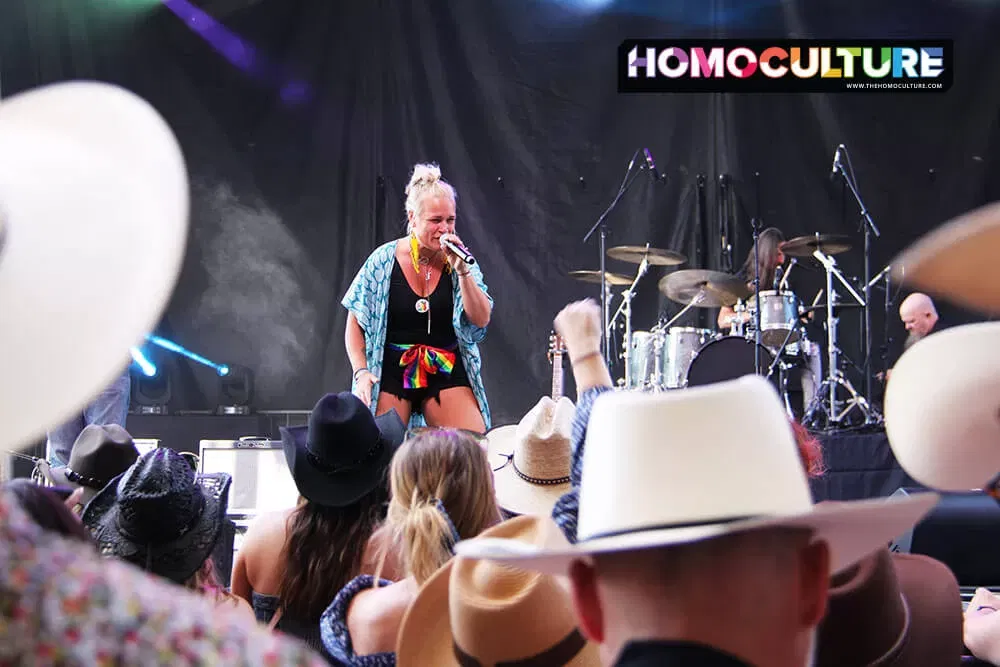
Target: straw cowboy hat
point(941, 408)
point(531, 463)
point(957, 261)
point(483, 613)
point(665, 469)
point(93, 208)
point(897, 610)
point(344, 452)
point(100, 453)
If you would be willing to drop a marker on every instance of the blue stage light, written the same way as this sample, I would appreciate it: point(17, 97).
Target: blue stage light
point(221, 369)
point(147, 367)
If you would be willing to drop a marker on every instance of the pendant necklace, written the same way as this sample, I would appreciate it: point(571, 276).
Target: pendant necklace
point(423, 305)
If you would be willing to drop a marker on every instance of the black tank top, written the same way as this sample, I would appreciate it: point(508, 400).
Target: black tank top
point(405, 325)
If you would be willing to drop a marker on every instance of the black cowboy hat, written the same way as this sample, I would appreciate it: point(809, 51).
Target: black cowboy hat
point(100, 453)
point(160, 515)
point(343, 453)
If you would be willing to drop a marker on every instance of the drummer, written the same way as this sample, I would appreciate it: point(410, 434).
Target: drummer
point(770, 258)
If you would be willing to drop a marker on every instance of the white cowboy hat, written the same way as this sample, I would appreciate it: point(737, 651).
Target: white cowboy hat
point(669, 469)
point(531, 462)
point(495, 614)
point(93, 215)
point(942, 411)
point(957, 261)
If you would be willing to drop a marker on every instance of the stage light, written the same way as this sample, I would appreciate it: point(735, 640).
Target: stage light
point(151, 393)
point(221, 369)
point(145, 365)
point(235, 390)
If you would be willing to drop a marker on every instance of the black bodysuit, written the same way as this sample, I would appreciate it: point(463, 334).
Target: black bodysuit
point(425, 356)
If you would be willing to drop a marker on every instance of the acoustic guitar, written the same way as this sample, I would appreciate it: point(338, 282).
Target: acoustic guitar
point(556, 351)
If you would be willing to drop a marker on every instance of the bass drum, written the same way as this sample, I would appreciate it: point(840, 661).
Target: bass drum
point(727, 359)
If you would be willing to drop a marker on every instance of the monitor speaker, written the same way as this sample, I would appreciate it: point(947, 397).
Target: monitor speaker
point(963, 532)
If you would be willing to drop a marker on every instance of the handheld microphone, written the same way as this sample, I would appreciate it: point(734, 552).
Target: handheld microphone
point(462, 252)
point(836, 161)
point(650, 164)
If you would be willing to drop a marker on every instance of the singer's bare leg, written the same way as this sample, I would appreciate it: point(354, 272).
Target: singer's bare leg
point(387, 401)
point(458, 409)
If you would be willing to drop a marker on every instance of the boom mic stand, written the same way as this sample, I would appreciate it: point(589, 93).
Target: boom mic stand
point(602, 225)
point(871, 416)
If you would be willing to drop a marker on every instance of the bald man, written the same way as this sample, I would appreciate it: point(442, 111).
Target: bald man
point(919, 316)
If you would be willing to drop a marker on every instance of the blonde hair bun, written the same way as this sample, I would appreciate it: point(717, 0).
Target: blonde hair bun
point(423, 176)
point(426, 181)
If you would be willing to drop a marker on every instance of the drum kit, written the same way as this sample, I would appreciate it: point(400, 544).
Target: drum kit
point(767, 337)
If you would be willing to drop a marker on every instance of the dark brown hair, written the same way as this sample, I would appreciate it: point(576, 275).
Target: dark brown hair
point(324, 551)
point(47, 510)
point(768, 250)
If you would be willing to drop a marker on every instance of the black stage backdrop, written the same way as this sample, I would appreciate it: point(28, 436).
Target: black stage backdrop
point(300, 139)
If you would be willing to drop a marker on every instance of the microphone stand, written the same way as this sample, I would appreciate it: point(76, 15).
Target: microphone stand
point(755, 223)
point(725, 225)
point(602, 225)
point(869, 228)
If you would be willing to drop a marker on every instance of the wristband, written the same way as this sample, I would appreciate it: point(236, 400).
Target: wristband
point(584, 357)
point(467, 272)
point(358, 372)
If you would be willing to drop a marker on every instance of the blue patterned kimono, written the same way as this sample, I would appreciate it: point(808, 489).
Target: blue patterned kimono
point(368, 299)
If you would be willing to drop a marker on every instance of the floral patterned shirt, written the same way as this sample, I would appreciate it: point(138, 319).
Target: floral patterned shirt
point(61, 603)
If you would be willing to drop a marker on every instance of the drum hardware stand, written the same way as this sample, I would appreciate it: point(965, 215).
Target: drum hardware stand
point(782, 372)
point(626, 306)
point(835, 377)
point(869, 228)
point(886, 276)
point(601, 225)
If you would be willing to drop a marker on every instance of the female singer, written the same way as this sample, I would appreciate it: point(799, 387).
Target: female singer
point(417, 312)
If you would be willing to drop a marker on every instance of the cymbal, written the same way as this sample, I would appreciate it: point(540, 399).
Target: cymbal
point(957, 261)
point(655, 256)
point(595, 277)
point(718, 289)
point(828, 244)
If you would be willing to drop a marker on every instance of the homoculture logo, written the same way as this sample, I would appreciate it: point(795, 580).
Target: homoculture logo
point(784, 66)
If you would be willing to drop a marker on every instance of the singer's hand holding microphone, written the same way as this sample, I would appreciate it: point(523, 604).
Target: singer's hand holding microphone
point(456, 252)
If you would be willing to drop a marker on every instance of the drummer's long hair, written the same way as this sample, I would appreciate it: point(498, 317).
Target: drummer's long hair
point(769, 241)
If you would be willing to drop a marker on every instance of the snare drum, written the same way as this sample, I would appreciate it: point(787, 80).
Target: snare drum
point(779, 314)
point(681, 345)
point(728, 358)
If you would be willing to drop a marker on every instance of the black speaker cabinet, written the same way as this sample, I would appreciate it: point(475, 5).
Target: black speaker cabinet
point(963, 532)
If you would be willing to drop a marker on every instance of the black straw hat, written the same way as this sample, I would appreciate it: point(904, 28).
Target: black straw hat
point(160, 515)
point(344, 452)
